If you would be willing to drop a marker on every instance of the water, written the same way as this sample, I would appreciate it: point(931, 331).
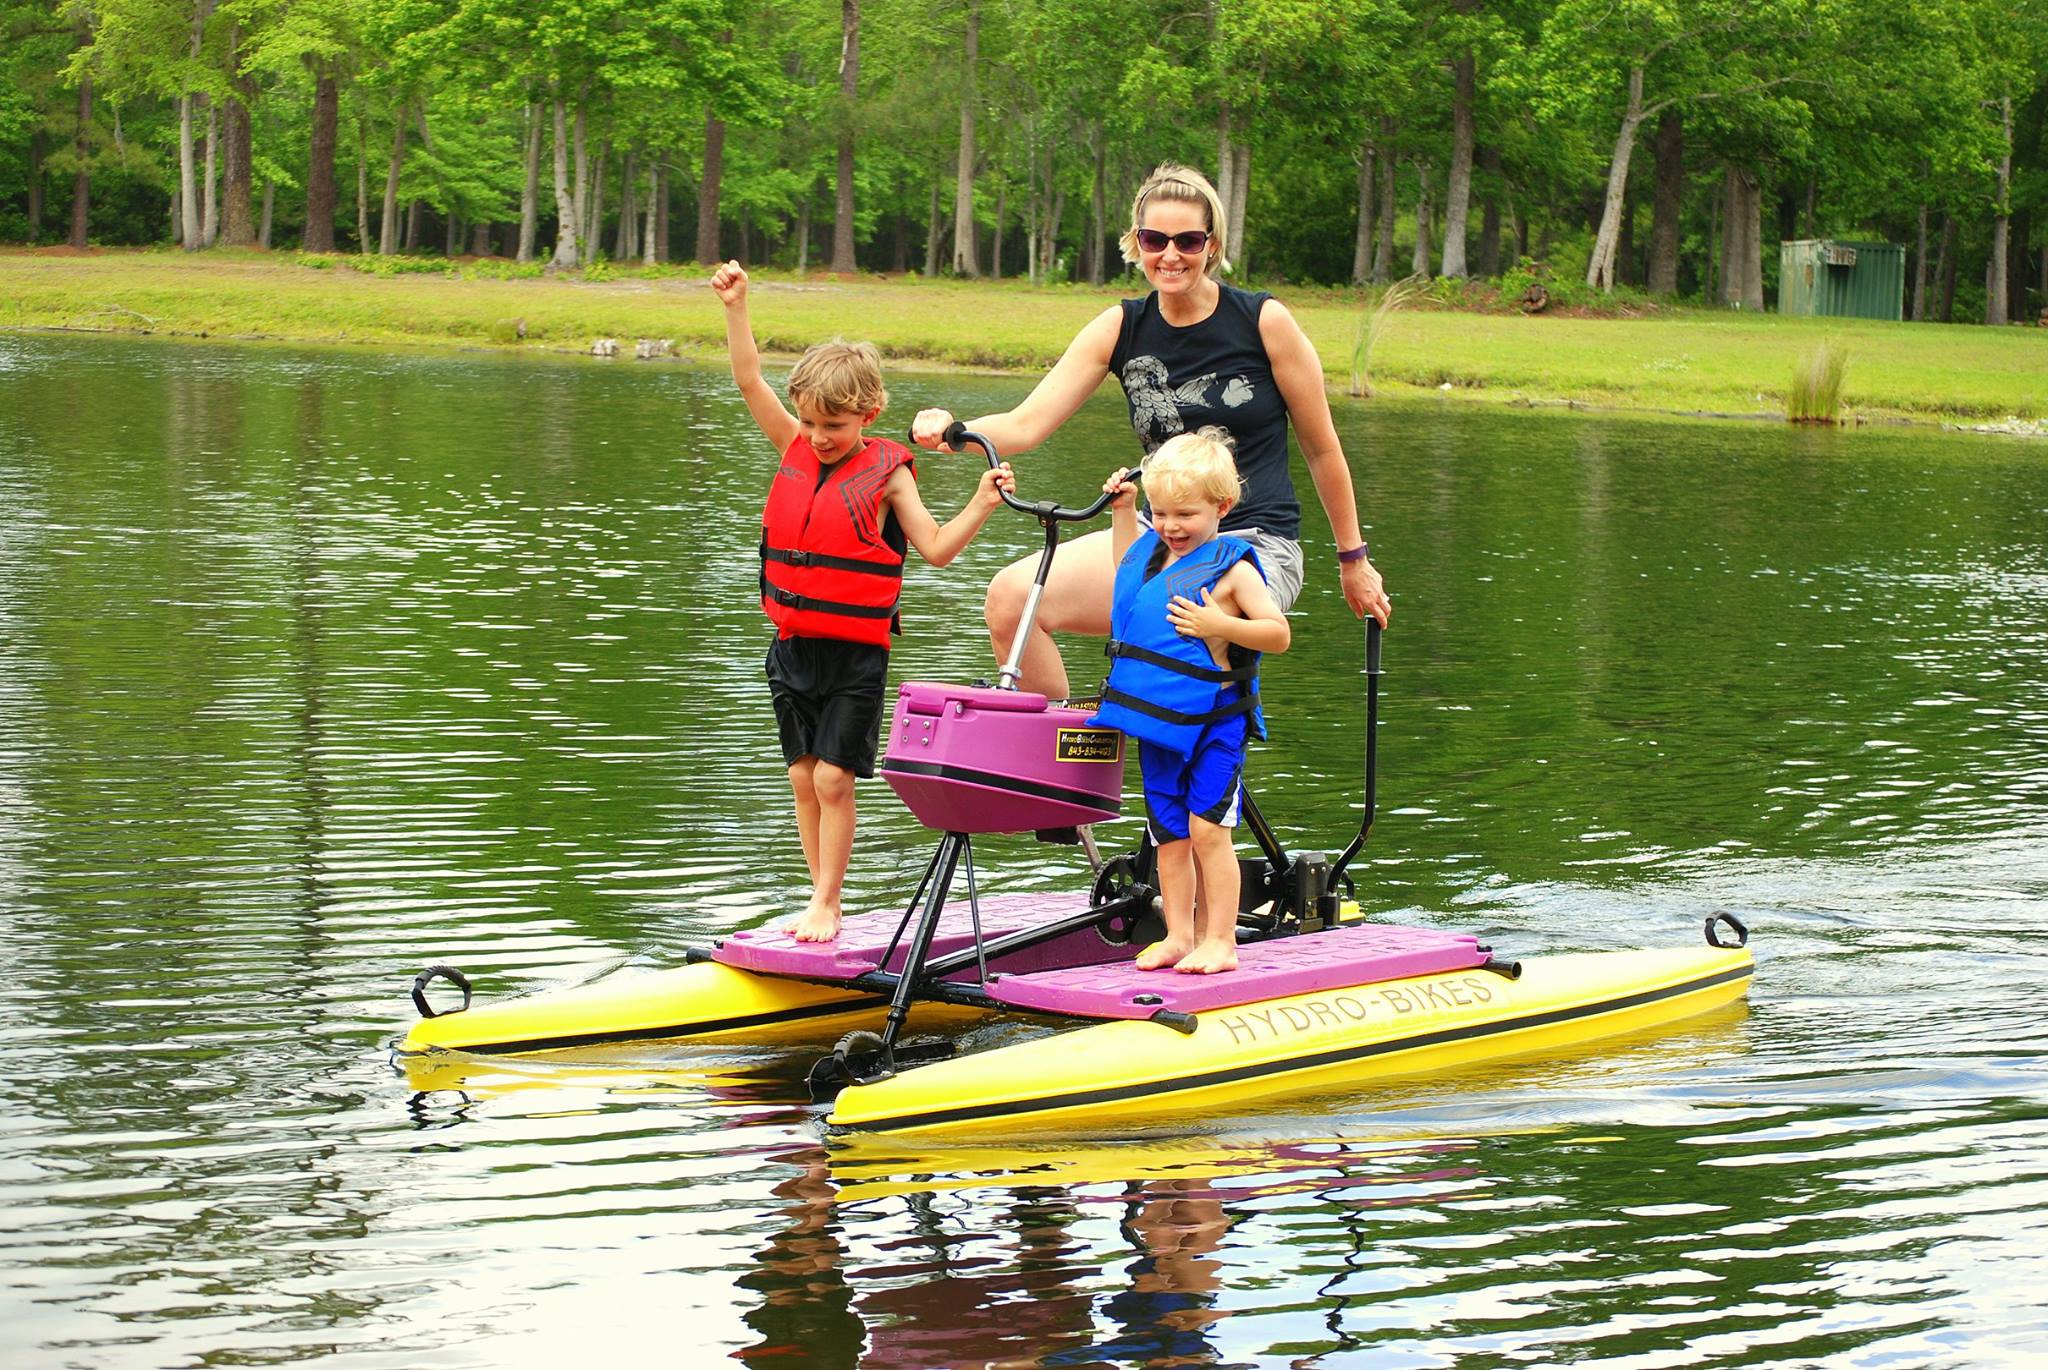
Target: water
point(320, 667)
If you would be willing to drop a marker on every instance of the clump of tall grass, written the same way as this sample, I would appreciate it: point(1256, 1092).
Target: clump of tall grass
point(1371, 323)
point(1816, 393)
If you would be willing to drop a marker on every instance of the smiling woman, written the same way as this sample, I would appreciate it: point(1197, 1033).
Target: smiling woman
point(1194, 353)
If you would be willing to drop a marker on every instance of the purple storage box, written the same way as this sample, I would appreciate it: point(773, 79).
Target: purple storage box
point(968, 758)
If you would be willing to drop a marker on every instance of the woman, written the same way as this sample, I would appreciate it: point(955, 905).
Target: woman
point(1193, 353)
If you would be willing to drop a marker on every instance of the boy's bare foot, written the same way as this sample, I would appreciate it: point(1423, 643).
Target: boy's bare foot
point(1208, 960)
point(1160, 955)
point(814, 924)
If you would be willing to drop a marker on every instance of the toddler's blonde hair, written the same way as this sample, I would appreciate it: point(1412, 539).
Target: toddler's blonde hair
point(839, 376)
point(1197, 465)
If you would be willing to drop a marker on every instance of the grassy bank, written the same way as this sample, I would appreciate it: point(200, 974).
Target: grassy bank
point(1683, 361)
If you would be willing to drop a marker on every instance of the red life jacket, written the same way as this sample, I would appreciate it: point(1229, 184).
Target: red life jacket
point(829, 567)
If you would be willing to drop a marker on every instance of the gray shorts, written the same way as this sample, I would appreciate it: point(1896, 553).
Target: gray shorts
point(1279, 557)
point(1282, 560)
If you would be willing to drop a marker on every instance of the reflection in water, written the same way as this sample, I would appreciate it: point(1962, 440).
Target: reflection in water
point(319, 667)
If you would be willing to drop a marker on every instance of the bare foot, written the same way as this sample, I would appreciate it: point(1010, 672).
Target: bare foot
point(814, 924)
point(1160, 955)
point(1206, 959)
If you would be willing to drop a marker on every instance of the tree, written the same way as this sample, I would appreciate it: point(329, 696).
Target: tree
point(1646, 56)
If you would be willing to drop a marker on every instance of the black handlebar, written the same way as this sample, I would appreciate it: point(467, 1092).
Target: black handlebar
point(958, 434)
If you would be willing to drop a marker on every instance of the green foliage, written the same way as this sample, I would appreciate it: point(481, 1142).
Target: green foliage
point(1372, 323)
point(499, 269)
point(1815, 395)
point(1850, 113)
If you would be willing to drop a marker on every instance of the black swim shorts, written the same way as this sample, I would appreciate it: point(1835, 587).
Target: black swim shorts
point(828, 699)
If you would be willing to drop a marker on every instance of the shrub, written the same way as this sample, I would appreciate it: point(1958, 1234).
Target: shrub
point(1816, 393)
point(1371, 323)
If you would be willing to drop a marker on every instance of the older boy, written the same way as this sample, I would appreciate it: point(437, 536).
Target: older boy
point(839, 512)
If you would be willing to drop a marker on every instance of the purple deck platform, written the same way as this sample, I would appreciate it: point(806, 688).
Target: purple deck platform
point(1336, 958)
point(1082, 975)
point(864, 936)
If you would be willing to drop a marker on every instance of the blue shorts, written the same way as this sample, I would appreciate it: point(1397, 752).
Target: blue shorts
point(1205, 784)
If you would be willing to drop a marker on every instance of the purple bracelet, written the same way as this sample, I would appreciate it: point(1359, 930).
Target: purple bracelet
point(1355, 554)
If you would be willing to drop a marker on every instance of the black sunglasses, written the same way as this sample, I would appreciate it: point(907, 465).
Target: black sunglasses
point(1190, 242)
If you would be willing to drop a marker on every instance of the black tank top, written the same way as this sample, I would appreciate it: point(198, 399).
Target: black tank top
point(1177, 380)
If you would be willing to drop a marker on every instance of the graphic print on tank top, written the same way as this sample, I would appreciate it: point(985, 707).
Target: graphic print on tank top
point(1155, 404)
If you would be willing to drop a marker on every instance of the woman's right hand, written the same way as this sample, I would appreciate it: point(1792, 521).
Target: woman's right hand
point(928, 429)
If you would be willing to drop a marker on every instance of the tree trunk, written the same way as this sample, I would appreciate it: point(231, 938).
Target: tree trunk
point(209, 193)
point(1600, 270)
point(1489, 218)
point(647, 216)
point(1361, 239)
point(1240, 185)
point(362, 187)
point(1731, 238)
point(191, 231)
point(1383, 253)
point(387, 240)
point(626, 246)
point(480, 240)
point(269, 214)
point(565, 257)
point(931, 233)
point(188, 177)
point(1753, 260)
point(708, 191)
point(81, 180)
point(1667, 201)
point(529, 190)
point(1458, 194)
point(1920, 269)
point(579, 145)
point(1226, 168)
point(995, 264)
point(1945, 271)
point(593, 226)
point(803, 235)
point(966, 261)
point(1418, 263)
point(849, 91)
point(1098, 194)
point(238, 223)
point(661, 252)
point(2001, 224)
point(320, 194)
point(413, 209)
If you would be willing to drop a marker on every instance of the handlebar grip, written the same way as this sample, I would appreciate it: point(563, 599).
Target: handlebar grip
point(956, 433)
point(1372, 646)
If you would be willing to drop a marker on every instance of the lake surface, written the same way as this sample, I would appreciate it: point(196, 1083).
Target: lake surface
point(318, 667)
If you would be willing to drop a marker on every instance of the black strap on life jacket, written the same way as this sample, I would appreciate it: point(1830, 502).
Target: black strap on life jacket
point(795, 557)
point(1243, 704)
point(1214, 674)
point(791, 599)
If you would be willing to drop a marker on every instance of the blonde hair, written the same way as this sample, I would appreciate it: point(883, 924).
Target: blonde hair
point(1172, 181)
point(1197, 465)
point(839, 376)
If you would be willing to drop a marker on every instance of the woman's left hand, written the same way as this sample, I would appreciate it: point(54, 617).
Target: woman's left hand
point(1364, 591)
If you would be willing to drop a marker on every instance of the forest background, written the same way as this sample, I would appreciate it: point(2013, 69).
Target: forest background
point(1647, 147)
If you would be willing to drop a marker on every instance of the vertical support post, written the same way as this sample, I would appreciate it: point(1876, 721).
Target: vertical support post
point(945, 863)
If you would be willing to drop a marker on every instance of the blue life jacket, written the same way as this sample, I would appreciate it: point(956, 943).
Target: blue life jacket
point(1164, 688)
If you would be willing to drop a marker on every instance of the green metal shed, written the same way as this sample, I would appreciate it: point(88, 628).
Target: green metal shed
point(1844, 280)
